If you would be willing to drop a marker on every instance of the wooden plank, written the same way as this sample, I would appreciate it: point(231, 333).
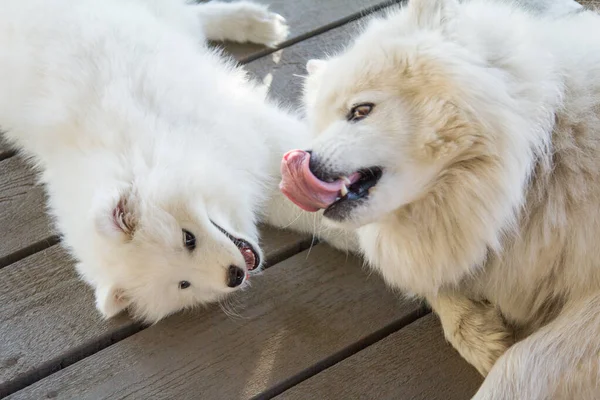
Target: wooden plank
point(413, 363)
point(25, 225)
point(297, 314)
point(306, 18)
point(48, 320)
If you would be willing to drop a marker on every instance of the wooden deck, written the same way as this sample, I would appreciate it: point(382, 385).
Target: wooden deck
point(315, 326)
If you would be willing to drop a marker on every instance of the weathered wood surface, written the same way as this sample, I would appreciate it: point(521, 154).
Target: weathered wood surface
point(24, 223)
point(414, 363)
point(48, 319)
point(299, 313)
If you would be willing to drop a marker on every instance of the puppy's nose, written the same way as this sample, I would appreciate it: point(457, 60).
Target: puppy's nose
point(235, 276)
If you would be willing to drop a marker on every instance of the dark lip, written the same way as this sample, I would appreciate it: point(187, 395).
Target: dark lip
point(357, 194)
point(240, 244)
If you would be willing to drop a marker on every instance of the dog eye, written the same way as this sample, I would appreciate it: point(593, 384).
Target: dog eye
point(189, 240)
point(360, 111)
point(184, 285)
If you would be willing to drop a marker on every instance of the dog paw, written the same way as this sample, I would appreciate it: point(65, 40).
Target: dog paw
point(257, 24)
point(481, 338)
point(267, 28)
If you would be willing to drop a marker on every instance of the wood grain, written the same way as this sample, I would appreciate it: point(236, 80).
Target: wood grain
point(48, 319)
point(414, 363)
point(299, 312)
point(23, 221)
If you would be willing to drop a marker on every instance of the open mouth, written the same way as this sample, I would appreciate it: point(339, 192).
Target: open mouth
point(337, 196)
point(250, 254)
point(353, 191)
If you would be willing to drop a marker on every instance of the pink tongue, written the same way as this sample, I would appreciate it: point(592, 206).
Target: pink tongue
point(303, 188)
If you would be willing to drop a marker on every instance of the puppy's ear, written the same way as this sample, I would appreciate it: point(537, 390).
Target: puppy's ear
point(120, 220)
point(312, 66)
point(111, 300)
point(433, 14)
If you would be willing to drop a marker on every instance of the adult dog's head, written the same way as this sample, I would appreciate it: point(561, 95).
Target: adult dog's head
point(407, 110)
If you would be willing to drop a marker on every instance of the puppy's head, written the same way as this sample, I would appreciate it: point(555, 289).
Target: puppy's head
point(390, 115)
point(165, 245)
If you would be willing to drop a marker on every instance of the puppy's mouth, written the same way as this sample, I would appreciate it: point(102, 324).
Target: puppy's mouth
point(248, 251)
point(338, 196)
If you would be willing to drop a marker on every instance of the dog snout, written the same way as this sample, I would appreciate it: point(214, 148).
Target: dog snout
point(235, 276)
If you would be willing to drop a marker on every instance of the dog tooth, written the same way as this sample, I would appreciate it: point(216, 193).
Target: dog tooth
point(346, 180)
point(344, 190)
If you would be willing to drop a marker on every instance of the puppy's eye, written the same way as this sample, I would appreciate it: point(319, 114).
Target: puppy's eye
point(360, 111)
point(189, 240)
point(184, 285)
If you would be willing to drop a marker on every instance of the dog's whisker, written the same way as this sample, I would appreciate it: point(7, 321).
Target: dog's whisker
point(294, 221)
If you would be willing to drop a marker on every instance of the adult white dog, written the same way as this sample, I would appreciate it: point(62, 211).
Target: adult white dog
point(157, 154)
point(463, 141)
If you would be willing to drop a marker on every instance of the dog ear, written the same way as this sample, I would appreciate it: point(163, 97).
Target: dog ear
point(433, 14)
point(120, 220)
point(124, 216)
point(314, 65)
point(111, 300)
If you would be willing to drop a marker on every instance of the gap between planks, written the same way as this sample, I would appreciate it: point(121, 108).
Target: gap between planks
point(343, 354)
point(6, 153)
point(29, 250)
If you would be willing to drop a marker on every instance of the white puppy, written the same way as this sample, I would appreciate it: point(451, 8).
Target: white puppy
point(463, 141)
point(157, 154)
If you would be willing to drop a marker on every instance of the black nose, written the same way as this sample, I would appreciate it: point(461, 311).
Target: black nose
point(313, 164)
point(235, 276)
point(316, 166)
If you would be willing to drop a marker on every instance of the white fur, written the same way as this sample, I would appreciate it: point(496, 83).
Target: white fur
point(487, 124)
point(122, 101)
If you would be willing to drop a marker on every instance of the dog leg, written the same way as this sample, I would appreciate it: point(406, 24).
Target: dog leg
point(242, 22)
point(560, 361)
point(476, 330)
